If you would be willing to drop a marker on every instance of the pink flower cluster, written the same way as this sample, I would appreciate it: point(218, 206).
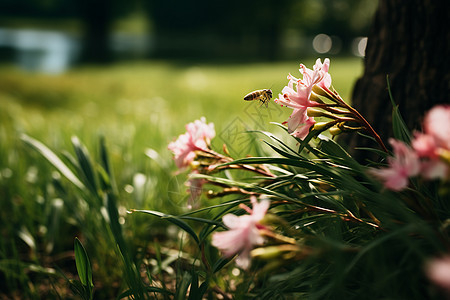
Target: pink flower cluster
point(243, 233)
point(433, 145)
point(429, 155)
point(298, 98)
point(438, 271)
point(197, 137)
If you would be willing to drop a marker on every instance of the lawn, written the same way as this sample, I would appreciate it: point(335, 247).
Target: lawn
point(138, 108)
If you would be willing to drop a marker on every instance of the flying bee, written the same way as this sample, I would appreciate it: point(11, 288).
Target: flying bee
point(262, 95)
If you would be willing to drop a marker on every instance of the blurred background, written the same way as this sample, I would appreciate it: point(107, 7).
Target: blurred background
point(53, 35)
point(135, 72)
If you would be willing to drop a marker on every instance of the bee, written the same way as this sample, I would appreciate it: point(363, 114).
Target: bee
point(262, 95)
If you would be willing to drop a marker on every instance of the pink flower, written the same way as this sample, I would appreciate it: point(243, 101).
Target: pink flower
point(197, 137)
point(195, 186)
point(425, 145)
point(298, 98)
point(299, 123)
point(437, 124)
point(243, 232)
point(404, 164)
point(438, 271)
point(434, 143)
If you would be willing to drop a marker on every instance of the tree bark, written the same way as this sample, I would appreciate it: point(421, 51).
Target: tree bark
point(409, 42)
point(97, 18)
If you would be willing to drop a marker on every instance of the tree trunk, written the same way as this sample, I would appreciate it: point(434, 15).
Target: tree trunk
point(409, 42)
point(97, 19)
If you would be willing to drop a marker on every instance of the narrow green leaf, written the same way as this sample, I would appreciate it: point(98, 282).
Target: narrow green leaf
point(226, 181)
point(307, 139)
point(280, 151)
point(173, 219)
point(283, 145)
point(301, 163)
point(203, 288)
point(114, 224)
point(366, 136)
point(376, 151)
point(221, 263)
point(53, 159)
point(201, 220)
point(132, 275)
point(221, 205)
point(183, 286)
point(400, 130)
point(82, 263)
point(104, 158)
point(85, 163)
point(148, 289)
point(194, 292)
point(78, 288)
point(303, 142)
point(27, 237)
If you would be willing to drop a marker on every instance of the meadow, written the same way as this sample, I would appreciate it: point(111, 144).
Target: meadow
point(133, 110)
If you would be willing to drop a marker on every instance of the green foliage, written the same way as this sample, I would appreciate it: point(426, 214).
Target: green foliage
point(84, 287)
point(85, 187)
point(401, 132)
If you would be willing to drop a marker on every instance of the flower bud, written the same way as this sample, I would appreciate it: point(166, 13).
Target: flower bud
point(335, 130)
point(444, 155)
point(315, 97)
point(321, 126)
point(194, 165)
point(319, 91)
point(314, 112)
point(271, 252)
point(323, 93)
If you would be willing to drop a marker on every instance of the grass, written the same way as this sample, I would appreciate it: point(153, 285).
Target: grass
point(139, 108)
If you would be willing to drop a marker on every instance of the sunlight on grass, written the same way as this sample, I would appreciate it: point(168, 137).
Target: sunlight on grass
point(157, 95)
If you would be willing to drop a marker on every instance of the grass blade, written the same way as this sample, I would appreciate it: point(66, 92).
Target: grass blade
point(85, 164)
point(83, 264)
point(183, 286)
point(400, 130)
point(53, 159)
point(173, 219)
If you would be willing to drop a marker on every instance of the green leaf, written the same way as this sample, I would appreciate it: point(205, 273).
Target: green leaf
point(132, 275)
point(221, 205)
point(226, 181)
point(78, 288)
point(220, 263)
point(148, 289)
point(53, 159)
point(86, 165)
point(183, 286)
point(202, 220)
point(280, 151)
point(307, 139)
point(194, 292)
point(376, 151)
point(113, 214)
point(400, 130)
point(284, 148)
point(104, 158)
point(303, 142)
point(27, 237)
point(83, 264)
point(203, 288)
point(301, 163)
point(173, 219)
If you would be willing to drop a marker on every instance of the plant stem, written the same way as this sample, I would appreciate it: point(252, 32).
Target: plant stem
point(366, 124)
